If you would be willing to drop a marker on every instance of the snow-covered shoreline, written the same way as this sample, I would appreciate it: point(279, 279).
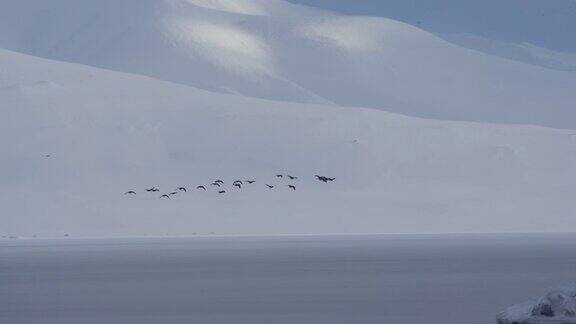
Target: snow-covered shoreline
point(557, 306)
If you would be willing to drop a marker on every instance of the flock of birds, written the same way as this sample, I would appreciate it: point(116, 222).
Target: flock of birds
point(218, 184)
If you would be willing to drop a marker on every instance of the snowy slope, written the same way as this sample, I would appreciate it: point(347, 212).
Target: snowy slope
point(277, 50)
point(523, 52)
point(532, 31)
point(107, 132)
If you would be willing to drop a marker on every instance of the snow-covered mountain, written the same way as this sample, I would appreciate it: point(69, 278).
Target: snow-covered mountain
point(277, 50)
point(532, 31)
point(172, 93)
point(74, 139)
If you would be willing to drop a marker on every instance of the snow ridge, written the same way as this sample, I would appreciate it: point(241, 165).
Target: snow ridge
point(282, 51)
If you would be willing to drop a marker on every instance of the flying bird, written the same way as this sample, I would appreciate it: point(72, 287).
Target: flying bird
point(325, 179)
point(269, 186)
point(238, 185)
point(130, 192)
point(173, 193)
point(201, 187)
point(153, 189)
point(279, 176)
point(215, 184)
point(292, 187)
point(250, 181)
point(219, 181)
point(164, 196)
point(292, 178)
point(182, 189)
point(238, 181)
point(222, 191)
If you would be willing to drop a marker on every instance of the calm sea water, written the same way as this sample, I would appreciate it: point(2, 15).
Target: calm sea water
point(306, 280)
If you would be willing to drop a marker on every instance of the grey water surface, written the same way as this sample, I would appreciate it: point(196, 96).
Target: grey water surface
point(306, 280)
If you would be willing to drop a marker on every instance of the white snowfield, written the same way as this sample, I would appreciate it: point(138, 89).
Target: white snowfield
point(276, 50)
point(74, 139)
point(557, 306)
point(532, 31)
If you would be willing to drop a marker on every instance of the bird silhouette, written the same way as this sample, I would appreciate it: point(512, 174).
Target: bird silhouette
point(238, 181)
point(130, 192)
point(325, 179)
point(250, 181)
point(292, 187)
point(222, 191)
point(153, 189)
point(219, 181)
point(182, 189)
point(173, 193)
point(164, 196)
point(269, 186)
point(292, 177)
point(279, 176)
point(201, 187)
point(215, 184)
point(238, 185)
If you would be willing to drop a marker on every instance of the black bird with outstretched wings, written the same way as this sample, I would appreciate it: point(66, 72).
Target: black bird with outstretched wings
point(324, 179)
